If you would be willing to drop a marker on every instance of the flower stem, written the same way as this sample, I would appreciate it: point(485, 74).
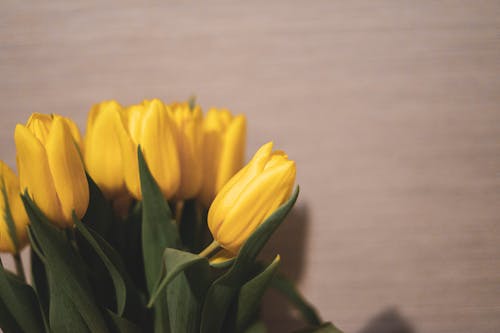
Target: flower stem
point(179, 206)
point(210, 249)
point(19, 266)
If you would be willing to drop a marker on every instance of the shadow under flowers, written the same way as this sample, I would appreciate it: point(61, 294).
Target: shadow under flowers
point(290, 242)
point(388, 321)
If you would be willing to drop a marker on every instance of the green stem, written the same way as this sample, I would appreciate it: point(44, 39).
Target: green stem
point(210, 249)
point(19, 266)
point(179, 206)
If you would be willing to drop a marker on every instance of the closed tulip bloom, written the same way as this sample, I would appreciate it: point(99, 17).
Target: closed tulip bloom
point(223, 150)
point(50, 166)
point(10, 199)
point(251, 196)
point(189, 137)
point(151, 126)
point(103, 157)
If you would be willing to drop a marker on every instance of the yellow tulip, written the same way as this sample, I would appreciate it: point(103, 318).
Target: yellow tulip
point(50, 166)
point(223, 150)
point(103, 157)
point(10, 198)
point(189, 144)
point(151, 126)
point(251, 196)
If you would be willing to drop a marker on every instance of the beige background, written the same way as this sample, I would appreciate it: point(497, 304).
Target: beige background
point(390, 108)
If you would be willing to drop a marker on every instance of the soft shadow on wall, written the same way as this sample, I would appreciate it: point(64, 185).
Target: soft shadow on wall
point(388, 321)
point(290, 242)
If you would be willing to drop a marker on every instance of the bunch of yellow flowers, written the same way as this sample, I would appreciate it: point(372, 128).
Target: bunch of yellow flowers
point(150, 221)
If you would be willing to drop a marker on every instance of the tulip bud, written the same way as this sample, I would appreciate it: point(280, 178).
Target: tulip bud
point(251, 196)
point(11, 206)
point(103, 157)
point(189, 138)
point(50, 167)
point(223, 150)
point(151, 126)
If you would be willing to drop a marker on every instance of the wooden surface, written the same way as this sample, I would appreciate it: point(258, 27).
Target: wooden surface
point(391, 110)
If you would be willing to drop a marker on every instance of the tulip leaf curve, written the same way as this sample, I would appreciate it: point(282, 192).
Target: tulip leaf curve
point(68, 286)
point(185, 275)
point(22, 301)
point(251, 294)
point(174, 262)
point(115, 269)
point(222, 292)
point(121, 325)
point(158, 232)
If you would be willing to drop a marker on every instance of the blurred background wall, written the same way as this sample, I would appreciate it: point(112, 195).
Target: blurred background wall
point(390, 108)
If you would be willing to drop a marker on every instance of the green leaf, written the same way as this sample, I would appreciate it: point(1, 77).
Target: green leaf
point(251, 294)
point(158, 232)
point(7, 322)
point(63, 313)
point(324, 328)
point(126, 238)
point(185, 296)
point(185, 275)
point(223, 264)
point(67, 280)
point(39, 278)
point(288, 289)
point(174, 262)
point(134, 306)
point(258, 327)
point(99, 215)
point(112, 266)
point(223, 291)
point(120, 325)
point(22, 303)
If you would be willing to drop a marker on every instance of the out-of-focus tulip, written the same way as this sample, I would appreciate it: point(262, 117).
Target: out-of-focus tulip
point(11, 205)
point(189, 137)
point(151, 126)
point(51, 168)
point(223, 150)
point(251, 196)
point(103, 156)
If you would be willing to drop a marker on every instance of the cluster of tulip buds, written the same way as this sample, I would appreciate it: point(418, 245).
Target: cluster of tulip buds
point(149, 222)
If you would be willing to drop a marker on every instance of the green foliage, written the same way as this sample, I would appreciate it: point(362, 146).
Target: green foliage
point(251, 294)
point(223, 291)
point(69, 289)
point(23, 309)
point(141, 273)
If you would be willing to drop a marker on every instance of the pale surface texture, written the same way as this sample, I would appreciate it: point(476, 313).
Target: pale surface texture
point(391, 110)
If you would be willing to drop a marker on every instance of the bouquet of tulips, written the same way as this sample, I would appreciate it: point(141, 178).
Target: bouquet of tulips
point(150, 222)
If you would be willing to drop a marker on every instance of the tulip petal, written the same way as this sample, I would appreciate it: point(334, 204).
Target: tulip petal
point(35, 174)
point(128, 149)
point(67, 170)
point(160, 150)
point(39, 124)
point(75, 132)
point(212, 146)
point(233, 151)
point(257, 201)
point(103, 157)
point(189, 138)
point(16, 207)
point(228, 195)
